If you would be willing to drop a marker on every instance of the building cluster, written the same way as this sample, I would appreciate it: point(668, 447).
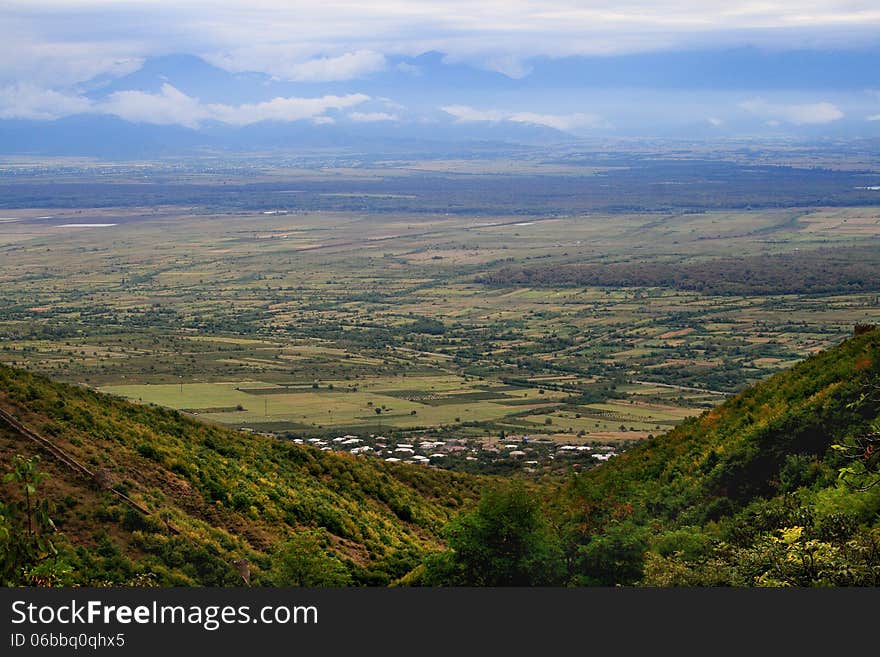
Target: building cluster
point(512, 451)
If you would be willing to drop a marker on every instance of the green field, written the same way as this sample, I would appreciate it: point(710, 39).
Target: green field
point(402, 402)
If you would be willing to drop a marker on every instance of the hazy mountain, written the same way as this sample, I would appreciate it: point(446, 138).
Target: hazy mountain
point(183, 104)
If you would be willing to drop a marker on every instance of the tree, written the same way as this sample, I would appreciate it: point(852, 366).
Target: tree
point(861, 454)
point(615, 557)
point(26, 529)
point(503, 542)
point(302, 561)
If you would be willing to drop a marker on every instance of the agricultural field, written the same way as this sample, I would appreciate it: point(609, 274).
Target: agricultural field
point(312, 320)
point(389, 402)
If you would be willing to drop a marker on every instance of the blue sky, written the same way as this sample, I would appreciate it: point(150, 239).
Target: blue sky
point(589, 68)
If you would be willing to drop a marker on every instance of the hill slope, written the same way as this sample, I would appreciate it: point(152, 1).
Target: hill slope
point(746, 494)
point(215, 496)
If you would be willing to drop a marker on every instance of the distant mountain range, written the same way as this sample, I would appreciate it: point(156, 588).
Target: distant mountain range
point(181, 104)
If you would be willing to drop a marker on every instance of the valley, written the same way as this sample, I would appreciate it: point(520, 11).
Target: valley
point(310, 322)
point(352, 370)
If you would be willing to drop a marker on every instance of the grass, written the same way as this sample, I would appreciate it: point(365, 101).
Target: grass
point(436, 401)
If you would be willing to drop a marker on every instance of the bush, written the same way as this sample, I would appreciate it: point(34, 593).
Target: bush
point(504, 542)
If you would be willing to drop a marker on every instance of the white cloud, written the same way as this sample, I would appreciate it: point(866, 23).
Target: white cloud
point(390, 104)
point(61, 62)
point(294, 62)
point(510, 65)
point(874, 117)
point(371, 117)
point(169, 107)
point(564, 122)
point(284, 109)
point(409, 69)
point(558, 121)
point(464, 113)
point(69, 40)
point(797, 114)
point(345, 67)
point(715, 121)
point(173, 107)
point(27, 101)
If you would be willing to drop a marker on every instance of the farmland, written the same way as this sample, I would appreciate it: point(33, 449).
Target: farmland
point(364, 308)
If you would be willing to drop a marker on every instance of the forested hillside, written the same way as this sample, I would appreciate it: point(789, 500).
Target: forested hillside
point(748, 494)
point(214, 497)
point(774, 487)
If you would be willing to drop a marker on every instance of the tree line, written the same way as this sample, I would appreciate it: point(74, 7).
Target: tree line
point(820, 271)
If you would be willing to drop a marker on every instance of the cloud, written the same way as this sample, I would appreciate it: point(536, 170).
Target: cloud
point(370, 117)
point(169, 107)
point(390, 104)
point(290, 63)
point(564, 122)
point(409, 69)
point(464, 113)
point(715, 121)
point(874, 117)
point(66, 41)
point(558, 121)
point(284, 109)
point(797, 114)
point(510, 65)
point(345, 67)
point(27, 101)
point(57, 45)
point(60, 62)
point(173, 107)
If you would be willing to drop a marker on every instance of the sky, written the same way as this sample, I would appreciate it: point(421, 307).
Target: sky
point(585, 68)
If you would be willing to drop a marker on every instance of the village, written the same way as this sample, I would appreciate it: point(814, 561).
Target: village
point(487, 454)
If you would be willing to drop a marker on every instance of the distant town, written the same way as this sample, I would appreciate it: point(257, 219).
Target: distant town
point(488, 454)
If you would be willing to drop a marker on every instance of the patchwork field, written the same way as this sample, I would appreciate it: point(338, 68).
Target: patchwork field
point(319, 321)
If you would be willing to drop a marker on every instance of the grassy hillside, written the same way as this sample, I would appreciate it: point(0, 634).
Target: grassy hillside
point(746, 494)
point(215, 496)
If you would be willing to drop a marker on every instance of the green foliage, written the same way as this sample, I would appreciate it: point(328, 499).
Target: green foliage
point(771, 511)
point(427, 325)
point(861, 469)
point(840, 270)
point(229, 495)
point(745, 495)
point(28, 555)
point(615, 557)
point(303, 560)
point(503, 542)
point(688, 542)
